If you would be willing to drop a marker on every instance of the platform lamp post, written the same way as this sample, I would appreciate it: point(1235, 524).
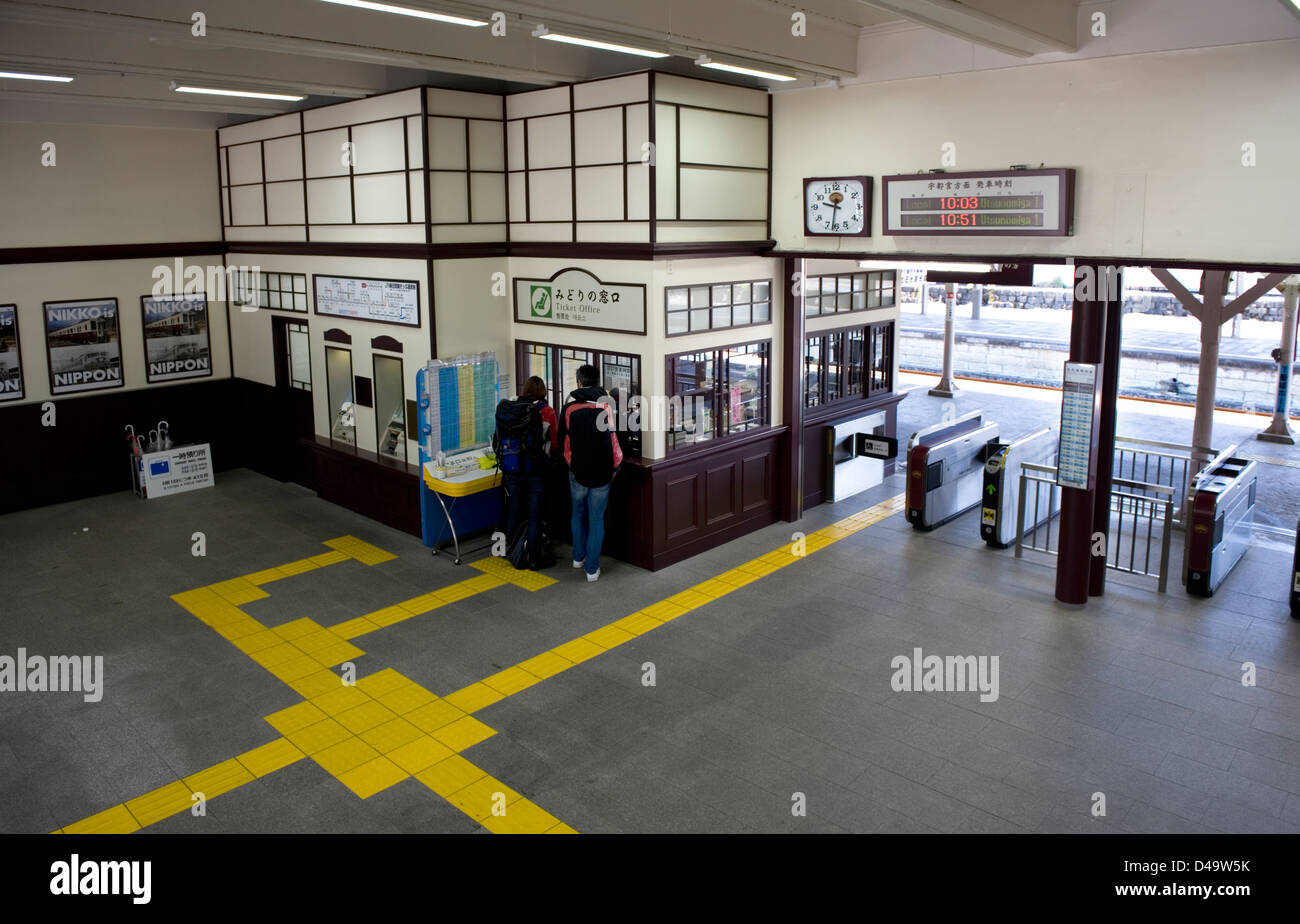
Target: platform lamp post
point(1279, 431)
point(944, 389)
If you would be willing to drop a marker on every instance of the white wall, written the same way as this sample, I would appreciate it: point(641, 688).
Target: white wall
point(1156, 140)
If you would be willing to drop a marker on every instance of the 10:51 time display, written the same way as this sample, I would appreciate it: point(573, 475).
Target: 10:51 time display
point(838, 206)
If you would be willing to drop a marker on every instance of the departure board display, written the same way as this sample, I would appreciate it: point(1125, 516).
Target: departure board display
point(1006, 202)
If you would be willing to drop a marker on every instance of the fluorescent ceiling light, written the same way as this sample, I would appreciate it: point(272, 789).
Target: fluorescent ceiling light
point(17, 76)
point(592, 43)
point(209, 91)
point(706, 61)
point(931, 267)
point(410, 11)
point(1292, 5)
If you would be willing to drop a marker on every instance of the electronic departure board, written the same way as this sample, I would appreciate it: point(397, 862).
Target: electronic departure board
point(995, 203)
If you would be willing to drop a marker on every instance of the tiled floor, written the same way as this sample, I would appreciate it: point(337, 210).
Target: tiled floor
point(765, 695)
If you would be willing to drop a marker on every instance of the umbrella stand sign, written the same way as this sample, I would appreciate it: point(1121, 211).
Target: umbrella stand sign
point(11, 368)
point(84, 345)
point(176, 343)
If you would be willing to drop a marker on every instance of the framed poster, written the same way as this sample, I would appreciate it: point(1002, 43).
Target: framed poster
point(176, 343)
point(575, 298)
point(388, 301)
point(84, 345)
point(11, 361)
point(1080, 412)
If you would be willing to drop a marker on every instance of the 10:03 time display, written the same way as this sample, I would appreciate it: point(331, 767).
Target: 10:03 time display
point(838, 206)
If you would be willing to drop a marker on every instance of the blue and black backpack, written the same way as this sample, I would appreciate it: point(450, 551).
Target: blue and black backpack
point(518, 438)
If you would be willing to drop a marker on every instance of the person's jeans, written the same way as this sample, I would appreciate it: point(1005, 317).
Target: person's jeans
point(525, 493)
point(587, 522)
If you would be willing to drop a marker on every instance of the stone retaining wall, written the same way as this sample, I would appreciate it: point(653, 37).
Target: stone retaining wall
point(1267, 308)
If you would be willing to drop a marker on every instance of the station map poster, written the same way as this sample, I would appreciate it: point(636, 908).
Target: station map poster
point(576, 298)
point(176, 344)
point(1078, 413)
point(388, 301)
point(84, 345)
point(11, 367)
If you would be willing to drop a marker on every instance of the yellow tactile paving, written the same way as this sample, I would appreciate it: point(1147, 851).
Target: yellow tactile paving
point(362, 551)
point(474, 697)
point(449, 775)
point(296, 717)
point(364, 717)
point(522, 817)
point(355, 627)
point(224, 777)
point(419, 754)
point(317, 684)
point(502, 570)
point(161, 803)
point(391, 735)
point(316, 738)
point(434, 716)
point(373, 777)
point(341, 699)
point(511, 680)
point(116, 820)
point(463, 733)
point(407, 698)
point(480, 798)
point(268, 758)
point(383, 682)
point(547, 664)
point(339, 758)
point(336, 654)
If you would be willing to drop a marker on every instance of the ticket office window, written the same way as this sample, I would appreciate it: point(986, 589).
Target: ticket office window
point(690, 309)
point(390, 408)
point(846, 292)
point(850, 363)
point(718, 393)
point(338, 381)
point(557, 365)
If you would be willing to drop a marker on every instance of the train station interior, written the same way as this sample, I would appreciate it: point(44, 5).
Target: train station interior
point(950, 351)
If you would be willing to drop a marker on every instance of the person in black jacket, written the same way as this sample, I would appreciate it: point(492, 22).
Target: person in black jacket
point(593, 454)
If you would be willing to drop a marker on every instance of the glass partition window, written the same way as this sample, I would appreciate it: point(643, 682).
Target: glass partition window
point(283, 291)
point(299, 355)
point(844, 292)
point(716, 393)
point(557, 366)
point(715, 306)
point(338, 378)
point(390, 408)
point(853, 362)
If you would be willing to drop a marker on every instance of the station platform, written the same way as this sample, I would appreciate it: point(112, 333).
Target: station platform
point(771, 680)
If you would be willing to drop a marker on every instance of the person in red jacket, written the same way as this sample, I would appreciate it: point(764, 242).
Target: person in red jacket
point(593, 455)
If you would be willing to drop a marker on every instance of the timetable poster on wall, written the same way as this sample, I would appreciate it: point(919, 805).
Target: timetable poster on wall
point(991, 204)
point(1079, 412)
point(84, 345)
point(176, 342)
point(11, 369)
point(576, 298)
point(388, 301)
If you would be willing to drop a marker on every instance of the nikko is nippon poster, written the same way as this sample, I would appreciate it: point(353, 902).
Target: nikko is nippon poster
point(84, 344)
point(11, 371)
point(176, 344)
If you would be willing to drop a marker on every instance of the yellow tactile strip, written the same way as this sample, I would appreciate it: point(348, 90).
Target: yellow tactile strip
point(386, 727)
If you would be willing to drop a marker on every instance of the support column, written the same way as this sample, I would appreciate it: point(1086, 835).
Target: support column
point(1112, 291)
point(794, 272)
point(944, 389)
point(1074, 547)
point(925, 294)
point(1213, 288)
point(1279, 431)
point(976, 303)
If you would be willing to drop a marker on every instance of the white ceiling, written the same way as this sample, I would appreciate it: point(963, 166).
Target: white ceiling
point(125, 54)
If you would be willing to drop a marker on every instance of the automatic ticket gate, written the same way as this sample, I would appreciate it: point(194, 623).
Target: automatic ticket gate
point(945, 466)
point(1295, 576)
point(1223, 511)
point(999, 500)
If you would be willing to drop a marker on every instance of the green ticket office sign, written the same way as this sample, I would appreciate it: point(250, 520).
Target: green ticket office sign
point(576, 298)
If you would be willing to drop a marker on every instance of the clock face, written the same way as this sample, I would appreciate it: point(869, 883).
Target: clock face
point(836, 206)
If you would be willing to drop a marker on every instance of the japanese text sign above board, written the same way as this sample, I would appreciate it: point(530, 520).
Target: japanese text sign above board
point(389, 301)
point(576, 298)
point(992, 203)
point(1079, 415)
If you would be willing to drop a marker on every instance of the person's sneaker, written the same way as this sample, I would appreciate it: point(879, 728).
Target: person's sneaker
point(591, 578)
point(577, 564)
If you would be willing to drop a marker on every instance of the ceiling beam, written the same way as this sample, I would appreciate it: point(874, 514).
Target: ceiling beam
point(966, 21)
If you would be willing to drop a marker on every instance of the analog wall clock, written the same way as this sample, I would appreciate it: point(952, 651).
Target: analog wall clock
point(837, 206)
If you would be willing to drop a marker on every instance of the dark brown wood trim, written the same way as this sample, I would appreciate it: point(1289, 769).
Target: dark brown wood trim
point(792, 346)
point(573, 168)
point(433, 317)
point(306, 211)
point(87, 253)
point(652, 188)
point(769, 167)
point(385, 342)
point(426, 181)
point(337, 335)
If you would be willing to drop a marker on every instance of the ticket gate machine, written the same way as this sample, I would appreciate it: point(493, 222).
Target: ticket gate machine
point(1295, 576)
point(999, 501)
point(1223, 510)
point(945, 466)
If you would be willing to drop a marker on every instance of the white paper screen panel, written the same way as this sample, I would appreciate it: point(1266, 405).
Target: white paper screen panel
point(638, 191)
point(518, 189)
point(600, 193)
point(716, 193)
point(550, 195)
point(447, 144)
point(414, 147)
point(325, 153)
point(283, 158)
point(381, 198)
point(246, 164)
point(486, 145)
point(515, 145)
point(722, 138)
point(665, 162)
point(489, 196)
point(379, 146)
point(598, 136)
point(379, 234)
point(638, 132)
point(416, 184)
point(548, 142)
point(615, 91)
point(255, 131)
point(537, 102)
point(447, 198)
point(621, 232)
point(465, 105)
point(246, 205)
point(388, 106)
point(329, 201)
point(673, 89)
point(284, 203)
